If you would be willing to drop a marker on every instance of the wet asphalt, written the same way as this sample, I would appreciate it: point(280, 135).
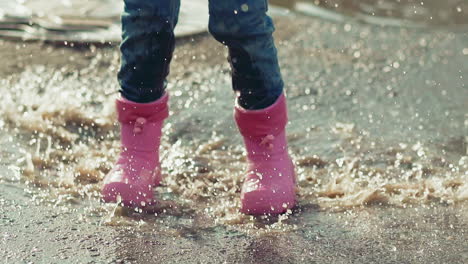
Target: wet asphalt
point(397, 84)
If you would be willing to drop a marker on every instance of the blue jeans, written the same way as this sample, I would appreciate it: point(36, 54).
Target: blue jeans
point(242, 25)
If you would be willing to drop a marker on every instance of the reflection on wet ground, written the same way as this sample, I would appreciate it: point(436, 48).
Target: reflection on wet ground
point(378, 133)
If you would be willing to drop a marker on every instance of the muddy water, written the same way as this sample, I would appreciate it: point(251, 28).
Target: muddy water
point(378, 131)
point(61, 138)
point(63, 149)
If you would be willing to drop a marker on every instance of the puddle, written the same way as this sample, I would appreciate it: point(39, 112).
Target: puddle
point(62, 150)
point(378, 132)
point(404, 146)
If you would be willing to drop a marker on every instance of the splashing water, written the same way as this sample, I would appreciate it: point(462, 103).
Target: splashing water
point(66, 140)
point(59, 134)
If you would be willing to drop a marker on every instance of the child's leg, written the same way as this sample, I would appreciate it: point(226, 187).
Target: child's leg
point(147, 47)
point(245, 28)
point(261, 113)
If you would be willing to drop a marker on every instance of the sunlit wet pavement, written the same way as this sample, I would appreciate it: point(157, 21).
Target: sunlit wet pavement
point(411, 13)
point(378, 132)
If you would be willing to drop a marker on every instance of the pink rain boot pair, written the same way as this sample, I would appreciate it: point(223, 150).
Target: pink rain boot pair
point(269, 187)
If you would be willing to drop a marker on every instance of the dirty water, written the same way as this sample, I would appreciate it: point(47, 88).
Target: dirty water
point(65, 147)
point(378, 132)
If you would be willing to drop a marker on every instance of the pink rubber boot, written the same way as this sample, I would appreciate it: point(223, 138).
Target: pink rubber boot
point(269, 186)
point(138, 169)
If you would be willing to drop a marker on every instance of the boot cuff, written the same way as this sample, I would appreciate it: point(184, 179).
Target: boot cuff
point(128, 111)
point(271, 120)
